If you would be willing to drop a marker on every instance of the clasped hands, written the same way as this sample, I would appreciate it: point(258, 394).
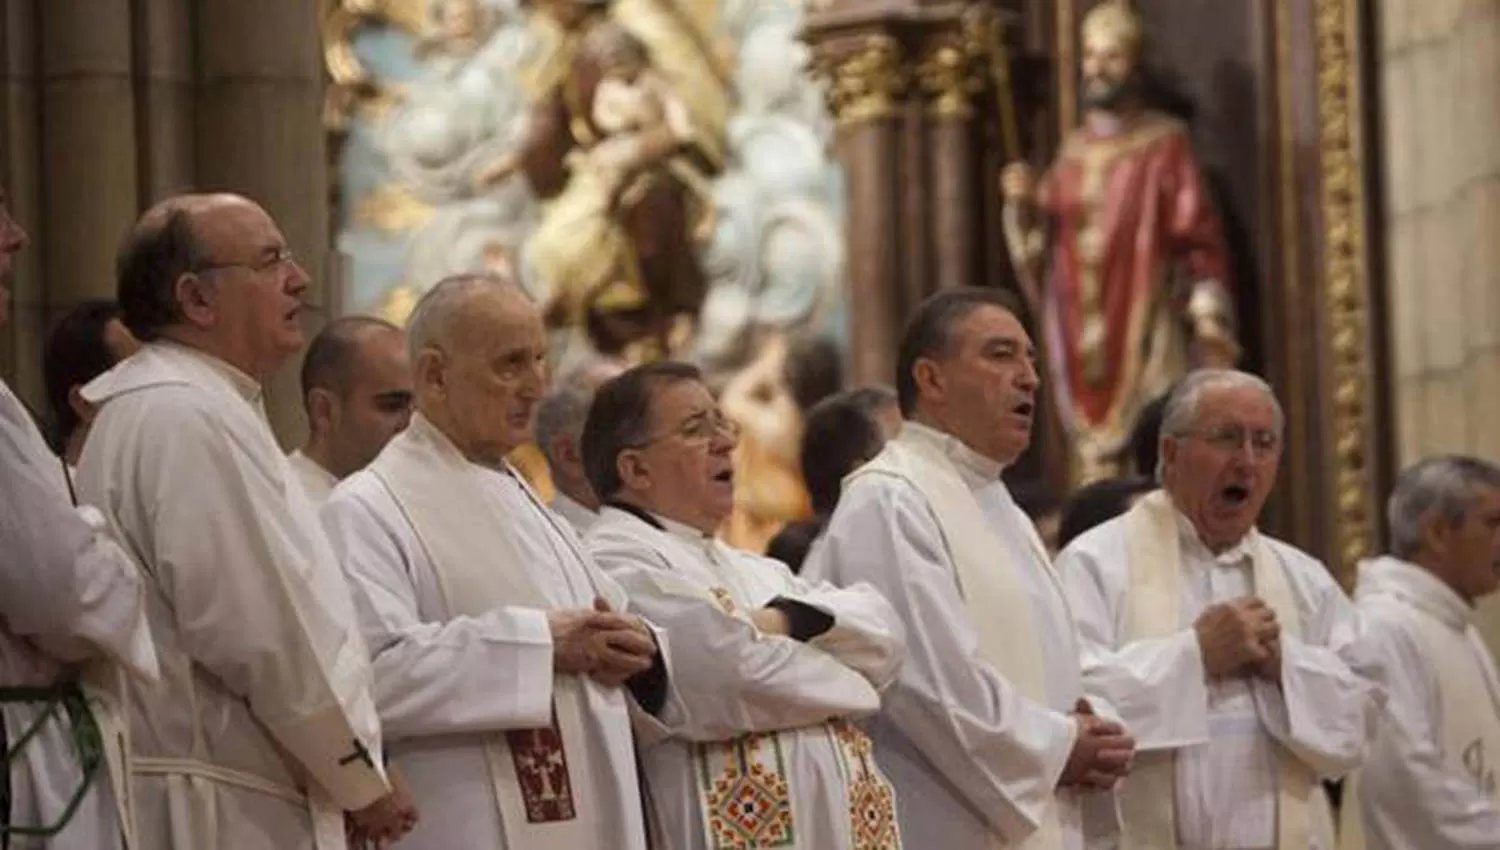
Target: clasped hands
point(1101, 753)
point(604, 644)
point(1240, 638)
point(381, 823)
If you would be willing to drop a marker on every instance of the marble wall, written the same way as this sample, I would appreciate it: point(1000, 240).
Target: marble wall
point(107, 106)
point(1439, 66)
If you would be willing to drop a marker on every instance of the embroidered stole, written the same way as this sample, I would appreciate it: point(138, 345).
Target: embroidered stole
point(467, 538)
point(1148, 796)
point(744, 792)
point(986, 580)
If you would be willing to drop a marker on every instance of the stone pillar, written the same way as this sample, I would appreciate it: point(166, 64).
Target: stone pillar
point(1439, 64)
point(20, 173)
point(260, 133)
point(947, 78)
point(867, 79)
point(88, 150)
point(164, 98)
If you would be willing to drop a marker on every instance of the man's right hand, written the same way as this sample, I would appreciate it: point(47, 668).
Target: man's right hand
point(604, 644)
point(1234, 636)
point(1017, 183)
point(1101, 753)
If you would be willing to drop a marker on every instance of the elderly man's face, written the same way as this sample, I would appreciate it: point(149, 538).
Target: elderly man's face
point(686, 458)
point(493, 373)
point(1220, 472)
point(255, 292)
point(1472, 547)
point(376, 405)
point(12, 240)
point(989, 382)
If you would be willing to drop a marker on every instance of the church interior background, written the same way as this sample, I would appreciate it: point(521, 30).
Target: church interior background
point(843, 163)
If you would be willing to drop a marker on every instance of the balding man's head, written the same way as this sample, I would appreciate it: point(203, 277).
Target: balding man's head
point(479, 358)
point(213, 271)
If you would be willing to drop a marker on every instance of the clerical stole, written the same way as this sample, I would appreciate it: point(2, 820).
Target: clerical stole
point(466, 536)
point(1148, 795)
point(986, 579)
point(745, 790)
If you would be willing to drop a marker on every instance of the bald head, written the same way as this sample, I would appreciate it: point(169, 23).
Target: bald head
point(356, 387)
point(478, 352)
point(441, 313)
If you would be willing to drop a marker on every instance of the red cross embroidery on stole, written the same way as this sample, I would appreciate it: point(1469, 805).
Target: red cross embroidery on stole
point(542, 772)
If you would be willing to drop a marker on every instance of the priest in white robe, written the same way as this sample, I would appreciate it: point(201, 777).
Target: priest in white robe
point(1231, 656)
point(72, 614)
point(263, 731)
point(356, 391)
point(499, 684)
point(985, 734)
point(773, 671)
point(1432, 779)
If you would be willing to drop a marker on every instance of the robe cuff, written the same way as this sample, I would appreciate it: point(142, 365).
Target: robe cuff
point(804, 622)
point(649, 687)
point(343, 765)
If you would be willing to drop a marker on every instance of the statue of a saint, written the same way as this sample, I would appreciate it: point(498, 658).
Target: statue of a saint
point(1131, 289)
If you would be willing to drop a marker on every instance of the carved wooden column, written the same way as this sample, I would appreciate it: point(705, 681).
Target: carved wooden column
point(867, 78)
point(947, 78)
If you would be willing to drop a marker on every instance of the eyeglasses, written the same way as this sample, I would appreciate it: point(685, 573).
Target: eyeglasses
point(698, 428)
point(1229, 438)
point(282, 257)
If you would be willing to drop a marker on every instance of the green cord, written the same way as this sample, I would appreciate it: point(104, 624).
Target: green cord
point(86, 738)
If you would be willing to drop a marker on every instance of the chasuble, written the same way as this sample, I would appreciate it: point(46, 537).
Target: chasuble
point(766, 750)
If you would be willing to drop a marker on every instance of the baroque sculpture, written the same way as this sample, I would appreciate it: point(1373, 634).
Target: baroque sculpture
point(1119, 253)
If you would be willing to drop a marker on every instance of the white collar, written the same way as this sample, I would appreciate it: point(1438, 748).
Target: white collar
point(1416, 587)
point(307, 464)
point(974, 468)
point(243, 385)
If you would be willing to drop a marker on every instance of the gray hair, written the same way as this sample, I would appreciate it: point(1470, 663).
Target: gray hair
point(432, 320)
point(562, 414)
point(1181, 412)
point(1444, 484)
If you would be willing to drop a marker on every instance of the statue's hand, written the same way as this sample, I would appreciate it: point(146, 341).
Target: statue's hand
point(1018, 183)
point(1213, 347)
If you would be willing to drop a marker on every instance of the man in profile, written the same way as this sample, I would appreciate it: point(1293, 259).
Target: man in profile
point(356, 389)
point(263, 731)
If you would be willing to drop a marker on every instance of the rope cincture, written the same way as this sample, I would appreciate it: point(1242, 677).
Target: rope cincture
point(86, 738)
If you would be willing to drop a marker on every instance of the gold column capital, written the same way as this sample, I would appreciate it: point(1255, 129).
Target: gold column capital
point(949, 77)
point(865, 81)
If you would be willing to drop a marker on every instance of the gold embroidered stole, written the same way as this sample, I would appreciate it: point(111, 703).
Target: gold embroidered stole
point(467, 537)
point(1148, 795)
point(988, 581)
point(744, 791)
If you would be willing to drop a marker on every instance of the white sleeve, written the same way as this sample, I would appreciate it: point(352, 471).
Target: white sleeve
point(1408, 795)
point(63, 582)
point(1156, 687)
point(1326, 708)
point(726, 677)
point(252, 595)
point(999, 750)
point(455, 676)
point(866, 634)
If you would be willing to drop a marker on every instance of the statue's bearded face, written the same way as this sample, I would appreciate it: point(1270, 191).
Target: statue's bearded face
point(1109, 71)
